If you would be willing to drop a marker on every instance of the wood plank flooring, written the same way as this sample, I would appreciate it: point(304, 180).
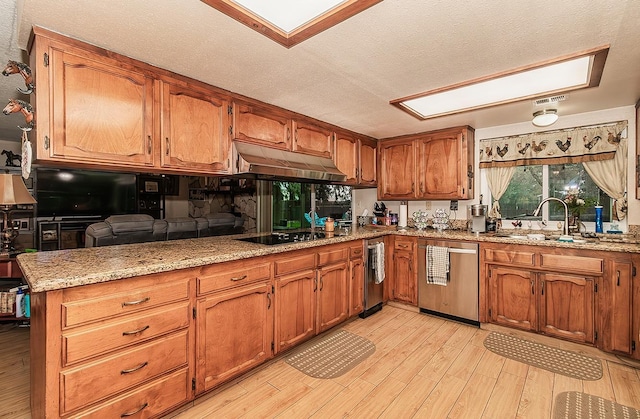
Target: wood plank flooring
point(423, 367)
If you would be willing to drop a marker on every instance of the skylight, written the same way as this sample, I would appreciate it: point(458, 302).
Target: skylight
point(288, 14)
point(577, 71)
point(290, 22)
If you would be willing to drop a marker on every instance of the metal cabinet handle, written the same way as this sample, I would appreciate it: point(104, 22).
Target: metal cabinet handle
point(133, 303)
point(618, 275)
point(542, 288)
point(135, 332)
point(321, 284)
point(138, 410)
point(238, 278)
point(167, 143)
point(134, 369)
point(315, 284)
point(149, 144)
point(533, 290)
point(269, 301)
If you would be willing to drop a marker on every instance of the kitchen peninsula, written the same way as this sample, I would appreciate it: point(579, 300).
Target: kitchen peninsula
point(152, 323)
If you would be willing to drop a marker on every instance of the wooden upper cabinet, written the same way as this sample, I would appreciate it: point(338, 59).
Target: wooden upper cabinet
point(445, 164)
point(396, 170)
point(345, 157)
point(439, 174)
point(367, 173)
point(93, 110)
point(442, 166)
point(313, 139)
point(261, 125)
point(195, 130)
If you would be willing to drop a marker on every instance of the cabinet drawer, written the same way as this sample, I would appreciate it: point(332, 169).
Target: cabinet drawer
point(406, 245)
point(86, 384)
point(567, 263)
point(149, 400)
point(511, 257)
point(295, 264)
point(102, 302)
point(332, 255)
point(356, 251)
point(96, 339)
point(228, 275)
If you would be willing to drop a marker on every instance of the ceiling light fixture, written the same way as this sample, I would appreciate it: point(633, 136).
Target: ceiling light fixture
point(572, 72)
point(289, 22)
point(545, 117)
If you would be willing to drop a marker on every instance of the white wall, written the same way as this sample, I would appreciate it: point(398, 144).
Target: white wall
point(365, 198)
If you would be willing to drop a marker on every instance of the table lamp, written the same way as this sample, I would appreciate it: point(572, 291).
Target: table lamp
point(12, 192)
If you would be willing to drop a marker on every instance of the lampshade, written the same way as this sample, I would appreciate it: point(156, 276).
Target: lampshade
point(13, 191)
point(545, 117)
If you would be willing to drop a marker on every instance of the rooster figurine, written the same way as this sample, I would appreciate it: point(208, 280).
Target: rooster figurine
point(564, 146)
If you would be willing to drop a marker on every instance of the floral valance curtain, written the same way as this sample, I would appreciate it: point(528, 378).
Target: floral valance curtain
point(575, 145)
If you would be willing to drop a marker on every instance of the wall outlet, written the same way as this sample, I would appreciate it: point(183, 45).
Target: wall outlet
point(427, 205)
point(453, 206)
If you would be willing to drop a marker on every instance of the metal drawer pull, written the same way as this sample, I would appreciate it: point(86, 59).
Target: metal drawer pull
point(134, 369)
point(135, 332)
point(135, 303)
point(140, 409)
point(238, 278)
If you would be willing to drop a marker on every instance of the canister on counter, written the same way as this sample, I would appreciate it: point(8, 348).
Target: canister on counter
point(329, 224)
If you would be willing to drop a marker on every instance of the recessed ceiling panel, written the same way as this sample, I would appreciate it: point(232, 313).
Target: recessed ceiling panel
point(290, 22)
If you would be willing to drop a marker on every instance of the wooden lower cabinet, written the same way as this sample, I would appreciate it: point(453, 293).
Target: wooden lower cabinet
point(356, 288)
point(234, 333)
point(583, 296)
point(295, 308)
point(513, 298)
point(333, 295)
point(405, 273)
point(567, 306)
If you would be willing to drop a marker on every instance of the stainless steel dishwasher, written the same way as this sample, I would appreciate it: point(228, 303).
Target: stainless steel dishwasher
point(458, 299)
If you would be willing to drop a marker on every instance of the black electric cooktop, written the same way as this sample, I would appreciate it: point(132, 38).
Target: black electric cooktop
point(281, 238)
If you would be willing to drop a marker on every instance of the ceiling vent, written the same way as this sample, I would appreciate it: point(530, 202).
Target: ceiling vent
point(550, 100)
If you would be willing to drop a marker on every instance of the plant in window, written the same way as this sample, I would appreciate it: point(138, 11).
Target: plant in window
point(575, 203)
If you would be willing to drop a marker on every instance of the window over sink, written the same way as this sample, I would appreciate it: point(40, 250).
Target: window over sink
point(531, 184)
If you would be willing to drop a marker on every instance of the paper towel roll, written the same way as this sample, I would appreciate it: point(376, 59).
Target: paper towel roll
point(402, 216)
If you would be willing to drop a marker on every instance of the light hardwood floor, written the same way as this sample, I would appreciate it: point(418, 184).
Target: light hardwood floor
point(423, 367)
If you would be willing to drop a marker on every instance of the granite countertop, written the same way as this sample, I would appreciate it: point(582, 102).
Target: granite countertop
point(52, 270)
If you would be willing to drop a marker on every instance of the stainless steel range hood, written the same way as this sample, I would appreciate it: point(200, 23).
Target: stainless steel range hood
point(271, 164)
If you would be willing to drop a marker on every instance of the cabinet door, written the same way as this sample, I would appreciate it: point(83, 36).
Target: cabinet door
point(100, 113)
point(261, 125)
point(404, 277)
point(356, 289)
point(396, 170)
point(439, 173)
point(367, 174)
point(513, 298)
point(346, 157)
point(235, 333)
point(620, 285)
point(333, 297)
point(312, 139)
point(295, 308)
point(566, 307)
point(195, 130)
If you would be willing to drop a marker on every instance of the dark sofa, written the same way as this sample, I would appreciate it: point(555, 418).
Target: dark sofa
point(139, 228)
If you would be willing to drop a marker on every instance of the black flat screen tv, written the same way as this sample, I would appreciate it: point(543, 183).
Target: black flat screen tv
point(84, 193)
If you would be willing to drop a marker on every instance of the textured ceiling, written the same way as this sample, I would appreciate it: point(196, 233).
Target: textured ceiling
point(347, 74)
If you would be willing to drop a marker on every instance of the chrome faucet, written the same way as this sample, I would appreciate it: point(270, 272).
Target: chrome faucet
point(566, 212)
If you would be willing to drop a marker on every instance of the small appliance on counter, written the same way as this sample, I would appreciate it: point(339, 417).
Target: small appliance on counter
point(477, 213)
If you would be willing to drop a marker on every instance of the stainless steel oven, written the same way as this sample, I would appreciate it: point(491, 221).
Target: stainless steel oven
point(457, 296)
point(373, 276)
